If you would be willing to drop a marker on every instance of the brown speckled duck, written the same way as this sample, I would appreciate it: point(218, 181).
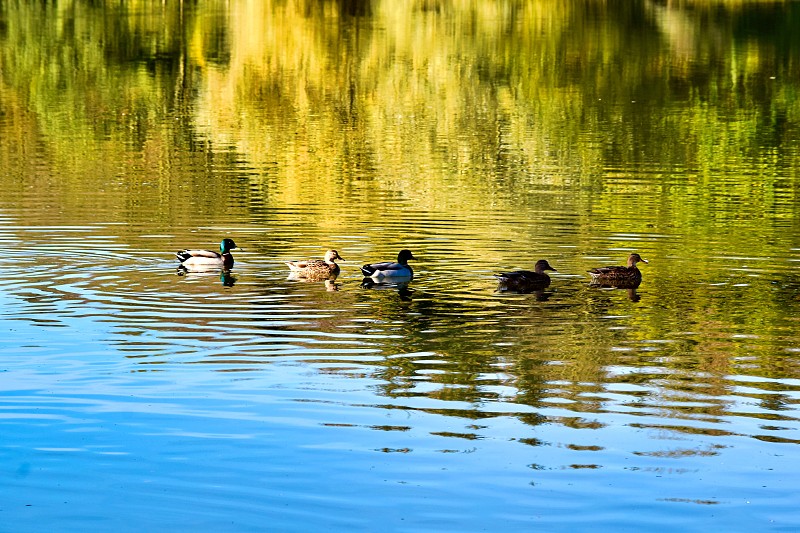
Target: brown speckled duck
point(525, 280)
point(317, 268)
point(619, 276)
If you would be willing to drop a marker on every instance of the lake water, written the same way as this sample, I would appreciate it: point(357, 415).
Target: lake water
point(482, 136)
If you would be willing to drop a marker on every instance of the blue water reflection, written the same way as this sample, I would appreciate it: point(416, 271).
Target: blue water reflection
point(268, 396)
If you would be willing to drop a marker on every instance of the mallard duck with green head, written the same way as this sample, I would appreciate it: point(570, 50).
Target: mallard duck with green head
point(208, 259)
point(619, 276)
point(317, 268)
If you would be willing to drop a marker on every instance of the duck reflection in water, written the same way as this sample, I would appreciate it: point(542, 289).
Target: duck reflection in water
point(628, 287)
point(526, 281)
point(402, 287)
point(225, 276)
point(329, 281)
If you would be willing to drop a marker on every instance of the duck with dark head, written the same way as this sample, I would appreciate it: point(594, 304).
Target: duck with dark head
point(400, 269)
point(525, 280)
point(624, 277)
point(208, 259)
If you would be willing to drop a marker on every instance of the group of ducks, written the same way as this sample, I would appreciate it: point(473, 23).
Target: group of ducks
point(626, 277)
point(312, 269)
point(622, 277)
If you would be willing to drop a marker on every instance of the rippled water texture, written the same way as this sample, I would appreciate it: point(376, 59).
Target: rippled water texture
point(481, 136)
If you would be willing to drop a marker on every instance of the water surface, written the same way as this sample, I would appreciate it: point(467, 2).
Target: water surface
point(480, 136)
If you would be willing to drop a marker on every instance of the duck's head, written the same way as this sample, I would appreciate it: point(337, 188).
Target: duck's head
point(635, 258)
point(542, 265)
point(404, 256)
point(332, 255)
point(227, 245)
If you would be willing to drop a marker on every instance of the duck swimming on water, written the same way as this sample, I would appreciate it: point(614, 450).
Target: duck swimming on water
point(400, 269)
point(317, 268)
point(619, 276)
point(525, 280)
point(207, 259)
